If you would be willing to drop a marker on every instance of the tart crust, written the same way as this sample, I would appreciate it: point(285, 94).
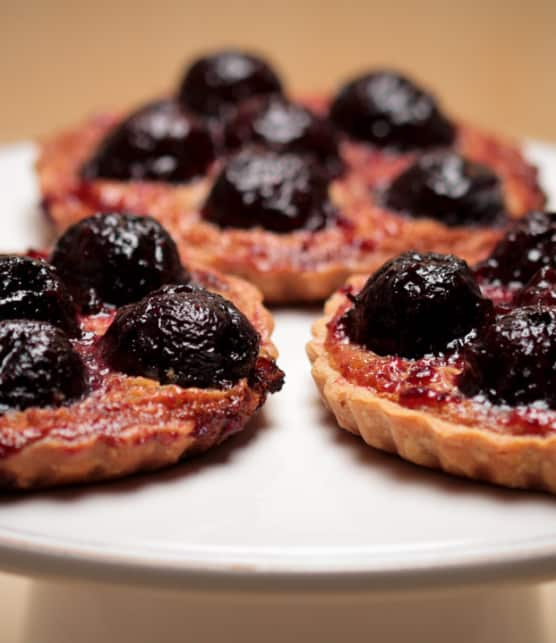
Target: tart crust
point(299, 266)
point(129, 424)
point(467, 450)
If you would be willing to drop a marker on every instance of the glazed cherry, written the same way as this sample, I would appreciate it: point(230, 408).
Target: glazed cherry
point(38, 366)
point(512, 360)
point(388, 110)
point(183, 335)
point(159, 142)
point(449, 188)
point(32, 289)
point(116, 259)
point(283, 126)
point(530, 244)
point(416, 304)
point(278, 192)
point(541, 289)
point(216, 84)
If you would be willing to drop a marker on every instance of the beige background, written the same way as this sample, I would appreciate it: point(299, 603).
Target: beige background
point(493, 61)
point(49, 612)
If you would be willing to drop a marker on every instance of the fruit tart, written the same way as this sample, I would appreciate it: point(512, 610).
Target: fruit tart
point(451, 367)
point(293, 195)
point(118, 358)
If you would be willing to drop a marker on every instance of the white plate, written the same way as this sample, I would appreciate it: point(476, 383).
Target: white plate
point(292, 502)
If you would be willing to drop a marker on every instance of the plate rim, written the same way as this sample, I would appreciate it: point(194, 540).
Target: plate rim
point(526, 561)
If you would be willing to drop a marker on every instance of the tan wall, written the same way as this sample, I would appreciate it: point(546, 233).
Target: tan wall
point(494, 62)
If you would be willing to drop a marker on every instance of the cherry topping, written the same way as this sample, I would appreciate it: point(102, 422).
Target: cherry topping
point(116, 259)
point(217, 83)
point(541, 289)
point(416, 304)
point(279, 192)
point(447, 187)
point(38, 366)
point(183, 335)
point(389, 110)
point(513, 359)
point(159, 142)
point(528, 245)
point(283, 126)
point(32, 289)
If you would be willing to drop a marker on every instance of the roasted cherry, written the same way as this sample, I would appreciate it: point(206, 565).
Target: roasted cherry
point(32, 289)
point(183, 335)
point(416, 304)
point(281, 125)
point(389, 110)
point(116, 259)
point(513, 359)
point(217, 83)
point(529, 245)
point(38, 366)
point(279, 192)
point(540, 289)
point(449, 188)
point(159, 142)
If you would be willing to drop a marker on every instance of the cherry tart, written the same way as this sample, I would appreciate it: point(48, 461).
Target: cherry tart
point(116, 358)
point(451, 368)
point(292, 195)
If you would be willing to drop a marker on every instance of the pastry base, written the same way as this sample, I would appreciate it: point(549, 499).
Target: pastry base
point(526, 462)
point(133, 424)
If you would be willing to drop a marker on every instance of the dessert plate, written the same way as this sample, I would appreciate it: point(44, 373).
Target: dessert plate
point(291, 503)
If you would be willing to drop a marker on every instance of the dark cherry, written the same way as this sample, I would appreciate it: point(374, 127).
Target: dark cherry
point(214, 85)
point(32, 289)
point(38, 366)
point(529, 244)
point(279, 192)
point(283, 126)
point(416, 304)
point(116, 259)
point(449, 188)
point(388, 110)
point(513, 359)
point(540, 289)
point(159, 142)
point(183, 335)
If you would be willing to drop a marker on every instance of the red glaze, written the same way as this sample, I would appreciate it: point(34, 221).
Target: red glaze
point(373, 235)
point(430, 383)
point(117, 402)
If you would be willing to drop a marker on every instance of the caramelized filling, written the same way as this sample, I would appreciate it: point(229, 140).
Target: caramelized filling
point(430, 383)
point(116, 402)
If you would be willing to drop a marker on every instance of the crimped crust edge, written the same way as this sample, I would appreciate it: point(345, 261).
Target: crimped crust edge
point(525, 462)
